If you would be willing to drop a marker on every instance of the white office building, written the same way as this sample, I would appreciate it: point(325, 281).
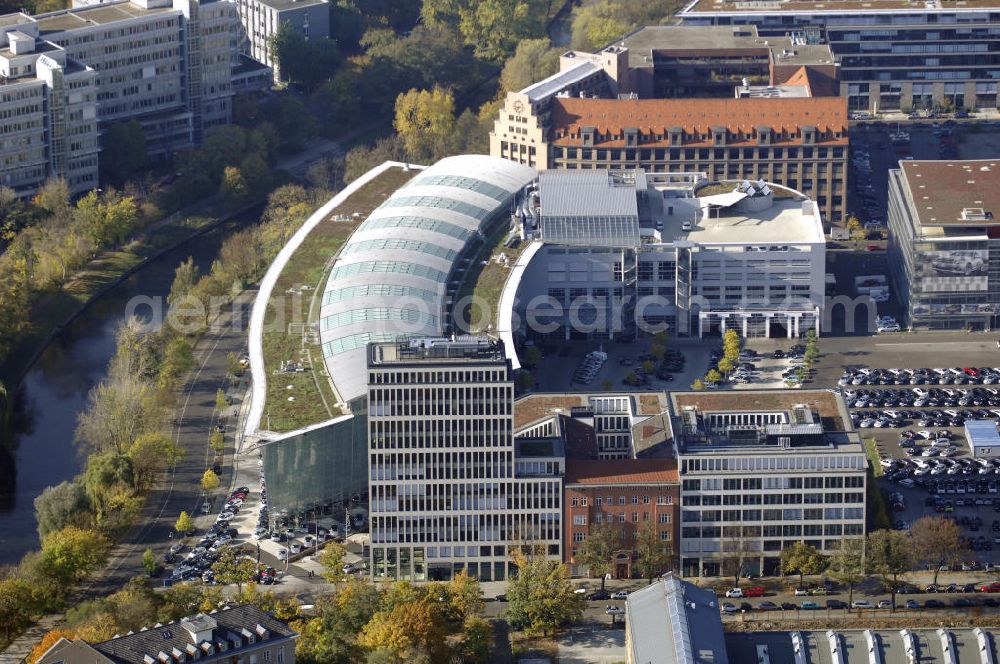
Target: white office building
point(618, 250)
point(261, 19)
point(170, 64)
point(755, 480)
point(48, 112)
point(444, 492)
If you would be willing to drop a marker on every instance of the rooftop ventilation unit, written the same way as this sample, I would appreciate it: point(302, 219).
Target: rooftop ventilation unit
point(976, 214)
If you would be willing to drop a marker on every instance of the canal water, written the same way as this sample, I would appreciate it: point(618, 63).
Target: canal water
point(55, 391)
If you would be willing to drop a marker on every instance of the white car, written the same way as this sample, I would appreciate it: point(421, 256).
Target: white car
point(881, 329)
point(862, 604)
point(621, 594)
point(926, 435)
point(295, 548)
point(614, 610)
point(282, 554)
point(734, 592)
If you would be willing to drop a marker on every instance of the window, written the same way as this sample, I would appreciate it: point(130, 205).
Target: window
point(664, 518)
point(267, 655)
point(281, 654)
point(664, 535)
point(580, 520)
point(576, 502)
point(635, 500)
point(621, 517)
point(645, 500)
point(579, 537)
point(635, 517)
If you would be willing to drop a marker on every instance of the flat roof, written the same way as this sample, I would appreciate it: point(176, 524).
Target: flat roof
point(763, 7)
point(941, 190)
point(17, 18)
point(284, 5)
point(715, 40)
point(785, 222)
point(87, 17)
point(982, 433)
point(592, 192)
point(828, 404)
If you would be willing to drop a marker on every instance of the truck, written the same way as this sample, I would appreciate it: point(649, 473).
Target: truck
point(875, 286)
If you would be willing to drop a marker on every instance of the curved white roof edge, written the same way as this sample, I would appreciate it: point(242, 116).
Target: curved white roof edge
point(505, 310)
point(455, 189)
point(258, 394)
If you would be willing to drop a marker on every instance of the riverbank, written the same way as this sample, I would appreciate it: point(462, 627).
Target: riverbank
point(54, 311)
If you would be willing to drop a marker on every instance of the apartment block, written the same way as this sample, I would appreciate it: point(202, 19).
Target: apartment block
point(944, 242)
point(617, 252)
point(761, 470)
point(170, 64)
point(892, 54)
point(48, 112)
point(262, 18)
point(444, 488)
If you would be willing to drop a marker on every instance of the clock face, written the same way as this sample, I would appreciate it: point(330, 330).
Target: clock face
point(518, 106)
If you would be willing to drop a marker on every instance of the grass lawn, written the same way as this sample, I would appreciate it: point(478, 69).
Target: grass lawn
point(297, 298)
point(873, 457)
point(485, 282)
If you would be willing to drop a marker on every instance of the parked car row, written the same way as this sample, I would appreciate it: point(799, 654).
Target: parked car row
point(589, 367)
point(925, 398)
point(922, 376)
point(861, 604)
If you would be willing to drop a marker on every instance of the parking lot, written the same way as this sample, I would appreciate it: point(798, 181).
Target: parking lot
point(916, 417)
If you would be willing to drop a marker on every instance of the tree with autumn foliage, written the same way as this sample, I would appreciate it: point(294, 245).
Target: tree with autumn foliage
point(50, 639)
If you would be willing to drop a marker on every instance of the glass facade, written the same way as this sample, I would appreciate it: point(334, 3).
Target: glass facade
point(318, 470)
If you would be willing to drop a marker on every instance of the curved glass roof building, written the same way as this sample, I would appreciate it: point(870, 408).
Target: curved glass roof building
point(393, 276)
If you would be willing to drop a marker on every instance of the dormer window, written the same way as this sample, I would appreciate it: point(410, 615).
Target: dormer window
point(809, 135)
point(718, 136)
point(763, 135)
point(587, 134)
point(631, 137)
point(676, 135)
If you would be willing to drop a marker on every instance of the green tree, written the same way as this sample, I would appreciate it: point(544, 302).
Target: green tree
point(698, 385)
point(801, 558)
point(107, 477)
point(938, 541)
point(123, 151)
point(592, 31)
point(425, 120)
point(408, 630)
point(725, 366)
point(149, 562)
point(209, 481)
point(233, 566)
point(221, 404)
point(149, 454)
point(178, 359)
point(649, 366)
point(185, 277)
point(532, 356)
point(492, 27)
point(889, 554)
point(217, 441)
point(184, 523)
point(332, 560)
point(72, 553)
point(476, 639)
point(655, 554)
point(540, 597)
point(533, 60)
point(62, 505)
point(464, 597)
point(234, 186)
point(300, 60)
point(847, 564)
point(17, 607)
point(713, 376)
point(525, 380)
